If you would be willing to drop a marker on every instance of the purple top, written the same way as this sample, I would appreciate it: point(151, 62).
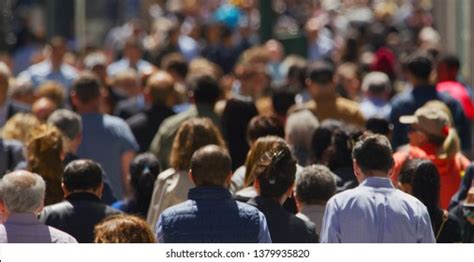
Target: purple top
point(25, 228)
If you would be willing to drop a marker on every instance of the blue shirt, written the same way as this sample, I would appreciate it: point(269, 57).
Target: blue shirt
point(142, 66)
point(105, 139)
point(42, 72)
point(376, 212)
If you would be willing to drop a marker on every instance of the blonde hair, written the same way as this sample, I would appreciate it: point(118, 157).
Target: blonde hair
point(43, 154)
point(123, 229)
point(260, 147)
point(20, 127)
point(54, 91)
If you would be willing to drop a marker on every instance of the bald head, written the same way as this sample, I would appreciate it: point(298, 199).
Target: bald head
point(210, 166)
point(22, 192)
point(160, 88)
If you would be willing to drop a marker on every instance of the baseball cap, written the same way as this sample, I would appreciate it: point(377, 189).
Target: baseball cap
point(430, 120)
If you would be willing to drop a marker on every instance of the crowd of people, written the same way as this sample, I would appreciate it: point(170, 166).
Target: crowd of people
point(196, 131)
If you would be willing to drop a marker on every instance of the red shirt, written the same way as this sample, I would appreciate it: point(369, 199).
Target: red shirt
point(458, 92)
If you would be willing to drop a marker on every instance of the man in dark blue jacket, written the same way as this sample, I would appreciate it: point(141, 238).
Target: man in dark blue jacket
point(211, 215)
point(418, 68)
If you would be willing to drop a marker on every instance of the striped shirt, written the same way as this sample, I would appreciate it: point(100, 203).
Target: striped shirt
point(376, 212)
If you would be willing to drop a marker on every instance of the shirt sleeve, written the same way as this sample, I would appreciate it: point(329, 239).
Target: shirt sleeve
point(425, 228)
point(330, 229)
point(263, 233)
point(128, 143)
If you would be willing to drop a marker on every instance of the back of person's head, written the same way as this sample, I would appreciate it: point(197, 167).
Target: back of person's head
point(407, 172)
point(373, 153)
point(320, 72)
point(192, 135)
point(283, 98)
point(379, 126)
point(211, 166)
point(123, 229)
point(175, 64)
point(376, 83)
point(67, 121)
point(315, 184)
point(260, 126)
point(205, 88)
point(299, 129)
point(20, 126)
point(451, 61)
point(86, 88)
point(82, 175)
point(419, 64)
point(44, 149)
point(426, 184)
point(54, 91)
point(275, 172)
point(144, 169)
point(260, 147)
point(160, 87)
point(22, 192)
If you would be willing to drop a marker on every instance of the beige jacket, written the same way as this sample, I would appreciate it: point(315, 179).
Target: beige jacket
point(171, 188)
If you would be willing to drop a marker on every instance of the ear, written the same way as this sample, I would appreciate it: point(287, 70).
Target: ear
point(357, 171)
point(190, 174)
point(65, 191)
point(228, 179)
point(100, 189)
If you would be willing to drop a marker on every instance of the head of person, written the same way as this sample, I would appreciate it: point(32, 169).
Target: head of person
point(299, 130)
point(127, 83)
point(283, 98)
point(22, 192)
point(258, 148)
point(379, 126)
point(86, 93)
point(57, 48)
point(192, 135)
point(425, 185)
point(70, 125)
point(211, 166)
point(123, 229)
point(448, 68)
point(19, 127)
point(251, 71)
point(83, 176)
point(54, 91)
point(176, 65)
point(432, 125)
point(144, 169)
point(275, 174)
point(204, 89)
point(132, 49)
point(159, 89)
point(407, 172)
point(96, 62)
point(275, 50)
point(21, 90)
point(295, 71)
point(348, 79)
point(418, 68)
point(372, 157)
point(5, 75)
point(260, 126)
point(332, 144)
point(320, 79)
point(376, 85)
point(43, 107)
point(315, 185)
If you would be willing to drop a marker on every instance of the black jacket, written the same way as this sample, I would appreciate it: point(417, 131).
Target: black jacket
point(15, 107)
point(77, 215)
point(284, 227)
point(145, 125)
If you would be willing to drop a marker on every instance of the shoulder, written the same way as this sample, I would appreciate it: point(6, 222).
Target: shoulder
point(56, 210)
point(173, 212)
point(58, 236)
point(167, 174)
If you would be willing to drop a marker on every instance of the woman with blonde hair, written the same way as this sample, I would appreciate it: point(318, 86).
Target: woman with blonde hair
point(20, 126)
point(172, 185)
point(123, 229)
point(44, 153)
point(258, 149)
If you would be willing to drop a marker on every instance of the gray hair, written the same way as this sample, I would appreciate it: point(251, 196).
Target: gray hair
point(299, 130)
point(376, 82)
point(315, 184)
point(67, 121)
point(22, 192)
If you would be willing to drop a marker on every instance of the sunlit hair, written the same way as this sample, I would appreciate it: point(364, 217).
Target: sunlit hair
point(44, 151)
point(260, 147)
point(54, 91)
point(20, 126)
point(192, 135)
point(123, 229)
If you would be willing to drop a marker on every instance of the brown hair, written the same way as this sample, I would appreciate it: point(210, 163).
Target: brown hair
point(20, 127)
point(211, 166)
point(54, 91)
point(123, 229)
point(192, 135)
point(44, 158)
point(262, 145)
